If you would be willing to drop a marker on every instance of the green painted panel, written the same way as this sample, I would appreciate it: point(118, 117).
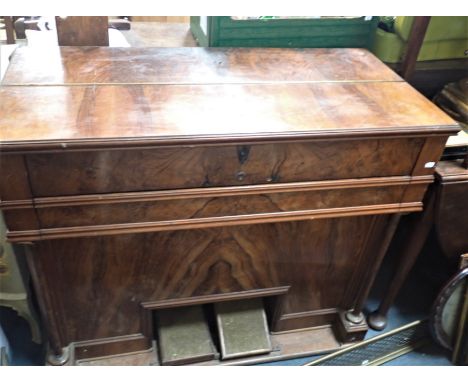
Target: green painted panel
point(440, 28)
point(306, 33)
point(390, 47)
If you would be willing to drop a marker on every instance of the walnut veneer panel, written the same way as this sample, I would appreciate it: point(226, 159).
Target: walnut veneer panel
point(99, 283)
point(71, 65)
point(124, 113)
point(209, 166)
point(193, 208)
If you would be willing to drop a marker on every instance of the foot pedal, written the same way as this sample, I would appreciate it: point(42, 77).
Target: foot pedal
point(242, 328)
point(184, 336)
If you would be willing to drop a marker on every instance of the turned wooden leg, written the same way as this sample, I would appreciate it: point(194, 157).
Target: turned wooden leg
point(420, 227)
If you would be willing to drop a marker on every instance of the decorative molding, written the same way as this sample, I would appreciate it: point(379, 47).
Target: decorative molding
point(223, 221)
point(16, 204)
point(67, 145)
point(126, 344)
point(300, 321)
point(319, 312)
point(146, 196)
point(458, 178)
point(213, 298)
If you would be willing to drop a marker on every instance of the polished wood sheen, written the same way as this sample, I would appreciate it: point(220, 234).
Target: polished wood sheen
point(212, 166)
point(91, 65)
point(188, 113)
point(92, 288)
point(146, 179)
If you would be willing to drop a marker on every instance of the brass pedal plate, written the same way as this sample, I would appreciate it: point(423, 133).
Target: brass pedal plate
point(184, 336)
point(242, 328)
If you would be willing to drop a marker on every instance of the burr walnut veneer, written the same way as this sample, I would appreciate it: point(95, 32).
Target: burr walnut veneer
point(144, 179)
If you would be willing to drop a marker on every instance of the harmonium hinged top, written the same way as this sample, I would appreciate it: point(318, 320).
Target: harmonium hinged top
point(72, 97)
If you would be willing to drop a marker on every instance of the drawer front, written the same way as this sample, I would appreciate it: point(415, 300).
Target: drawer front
point(77, 173)
point(133, 212)
point(193, 207)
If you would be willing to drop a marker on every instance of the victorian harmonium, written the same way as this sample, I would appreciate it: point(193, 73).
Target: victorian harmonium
point(145, 179)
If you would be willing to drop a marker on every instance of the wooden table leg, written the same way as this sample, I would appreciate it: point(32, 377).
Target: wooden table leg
point(10, 32)
point(420, 227)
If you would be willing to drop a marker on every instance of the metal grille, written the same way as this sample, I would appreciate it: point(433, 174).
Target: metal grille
point(379, 349)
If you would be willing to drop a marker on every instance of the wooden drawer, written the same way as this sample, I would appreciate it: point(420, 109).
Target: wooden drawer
point(104, 214)
point(196, 206)
point(163, 168)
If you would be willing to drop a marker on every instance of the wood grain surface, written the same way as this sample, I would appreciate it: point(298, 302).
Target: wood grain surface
point(94, 65)
point(215, 207)
point(107, 171)
point(156, 178)
point(82, 31)
point(63, 114)
point(451, 215)
point(99, 283)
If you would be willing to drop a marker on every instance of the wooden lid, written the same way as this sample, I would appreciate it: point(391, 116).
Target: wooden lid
point(98, 65)
point(113, 97)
